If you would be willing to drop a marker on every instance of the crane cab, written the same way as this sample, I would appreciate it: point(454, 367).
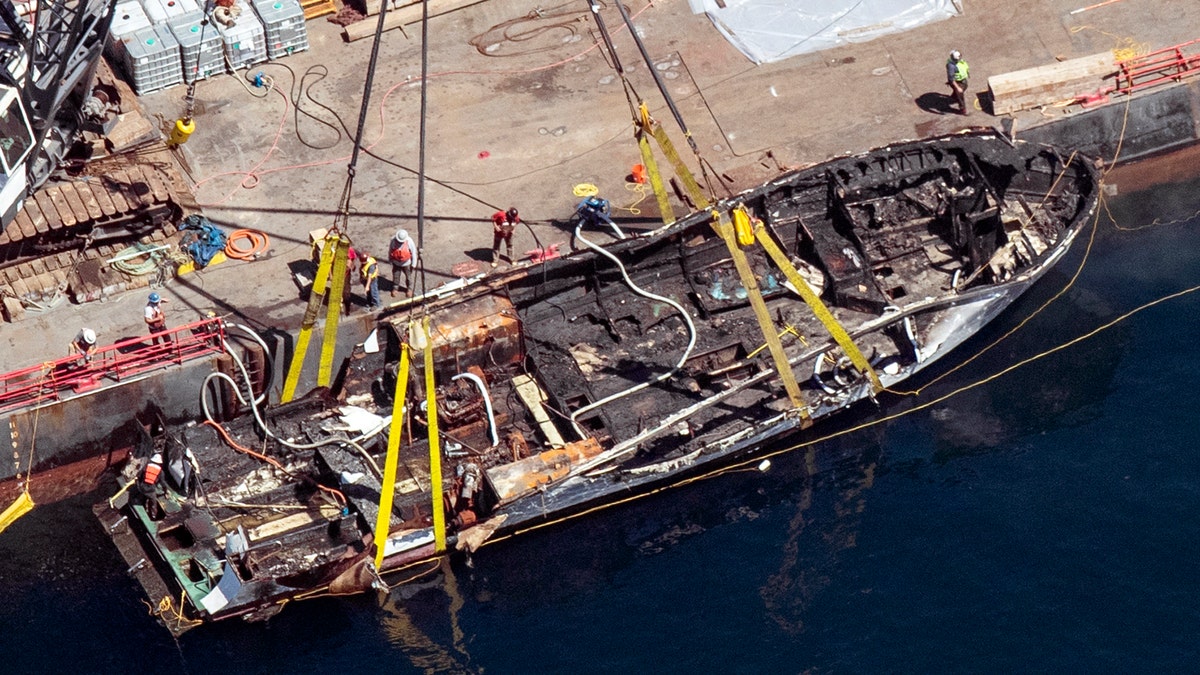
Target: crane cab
point(16, 142)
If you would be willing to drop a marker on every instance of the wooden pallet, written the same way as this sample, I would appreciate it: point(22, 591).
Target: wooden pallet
point(315, 8)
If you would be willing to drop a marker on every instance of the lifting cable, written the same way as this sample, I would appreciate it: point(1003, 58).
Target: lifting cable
point(331, 270)
point(646, 127)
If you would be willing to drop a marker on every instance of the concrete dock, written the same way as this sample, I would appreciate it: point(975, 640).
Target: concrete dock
point(522, 107)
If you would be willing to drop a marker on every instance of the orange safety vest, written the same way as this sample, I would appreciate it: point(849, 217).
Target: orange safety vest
point(153, 469)
point(402, 253)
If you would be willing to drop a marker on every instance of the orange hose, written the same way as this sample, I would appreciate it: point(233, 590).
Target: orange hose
point(273, 462)
point(258, 243)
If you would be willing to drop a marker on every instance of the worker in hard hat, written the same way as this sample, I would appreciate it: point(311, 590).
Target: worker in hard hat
point(402, 252)
point(504, 223)
point(84, 344)
point(156, 320)
point(956, 77)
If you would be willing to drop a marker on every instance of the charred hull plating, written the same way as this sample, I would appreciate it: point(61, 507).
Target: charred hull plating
point(583, 379)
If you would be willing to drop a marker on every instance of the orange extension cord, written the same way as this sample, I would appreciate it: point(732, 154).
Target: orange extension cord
point(258, 243)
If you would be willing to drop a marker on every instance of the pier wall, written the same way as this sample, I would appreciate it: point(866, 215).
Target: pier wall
point(1148, 123)
point(99, 422)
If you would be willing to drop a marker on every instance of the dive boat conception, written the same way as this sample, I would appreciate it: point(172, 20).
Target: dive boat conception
point(533, 393)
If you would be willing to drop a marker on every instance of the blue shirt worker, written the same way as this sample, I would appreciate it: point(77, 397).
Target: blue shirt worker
point(956, 77)
point(369, 271)
point(402, 252)
point(156, 320)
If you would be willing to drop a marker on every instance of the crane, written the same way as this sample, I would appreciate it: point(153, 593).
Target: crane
point(48, 62)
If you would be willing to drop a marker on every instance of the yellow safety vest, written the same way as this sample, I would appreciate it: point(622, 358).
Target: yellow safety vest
point(370, 270)
point(960, 70)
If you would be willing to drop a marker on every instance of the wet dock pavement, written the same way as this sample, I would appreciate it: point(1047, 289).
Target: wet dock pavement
point(523, 105)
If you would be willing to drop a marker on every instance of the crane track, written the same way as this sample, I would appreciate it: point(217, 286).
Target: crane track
point(88, 217)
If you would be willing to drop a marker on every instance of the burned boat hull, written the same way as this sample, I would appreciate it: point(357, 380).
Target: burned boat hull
point(641, 361)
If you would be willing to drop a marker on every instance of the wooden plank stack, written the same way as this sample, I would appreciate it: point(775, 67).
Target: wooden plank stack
point(406, 12)
point(1050, 84)
point(314, 8)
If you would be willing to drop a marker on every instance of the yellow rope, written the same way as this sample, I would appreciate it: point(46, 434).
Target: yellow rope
point(435, 445)
point(333, 312)
point(23, 504)
point(315, 296)
point(585, 190)
point(724, 229)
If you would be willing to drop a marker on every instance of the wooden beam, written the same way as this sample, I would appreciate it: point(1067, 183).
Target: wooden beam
point(1050, 84)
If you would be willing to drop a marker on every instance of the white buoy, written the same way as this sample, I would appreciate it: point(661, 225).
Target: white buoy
point(764, 465)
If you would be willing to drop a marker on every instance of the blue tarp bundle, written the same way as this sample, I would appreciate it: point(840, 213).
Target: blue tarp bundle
point(203, 239)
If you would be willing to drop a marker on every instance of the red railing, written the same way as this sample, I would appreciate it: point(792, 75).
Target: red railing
point(1165, 65)
point(49, 381)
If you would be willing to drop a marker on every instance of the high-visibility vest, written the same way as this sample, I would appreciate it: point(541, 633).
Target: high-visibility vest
point(153, 469)
point(370, 270)
point(960, 70)
point(402, 253)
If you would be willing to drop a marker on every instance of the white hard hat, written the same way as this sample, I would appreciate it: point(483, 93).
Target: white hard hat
point(955, 55)
point(89, 336)
point(401, 235)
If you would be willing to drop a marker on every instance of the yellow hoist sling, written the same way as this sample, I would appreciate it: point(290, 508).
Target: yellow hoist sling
point(335, 250)
point(435, 446)
point(818, 308)
point(647, 127)
point(726, 231)
point(23, 505)
point(383, 521)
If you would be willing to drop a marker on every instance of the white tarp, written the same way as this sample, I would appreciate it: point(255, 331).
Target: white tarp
point(773, 30)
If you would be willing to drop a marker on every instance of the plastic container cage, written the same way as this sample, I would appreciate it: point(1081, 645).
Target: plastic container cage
point(245, 42)
point(200, 44)
point(128, 16)
point(152, 60)
point(284, 25)
point(161, 11)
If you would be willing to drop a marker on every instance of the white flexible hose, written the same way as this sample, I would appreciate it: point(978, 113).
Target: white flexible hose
point(487, 403)
point(266, 350)
point(687, 319)
point(352, 442)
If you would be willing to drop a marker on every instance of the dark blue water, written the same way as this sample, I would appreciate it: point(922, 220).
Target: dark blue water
point(1044, 521)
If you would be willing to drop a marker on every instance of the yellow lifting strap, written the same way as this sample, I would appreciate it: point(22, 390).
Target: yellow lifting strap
point(23, 505)
point(818, 308)
point(333, 312)
point(435, 446)
point(315, 297)
point(660, 191)
point(383, 521)
point(651, 128)
point(725, 229)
